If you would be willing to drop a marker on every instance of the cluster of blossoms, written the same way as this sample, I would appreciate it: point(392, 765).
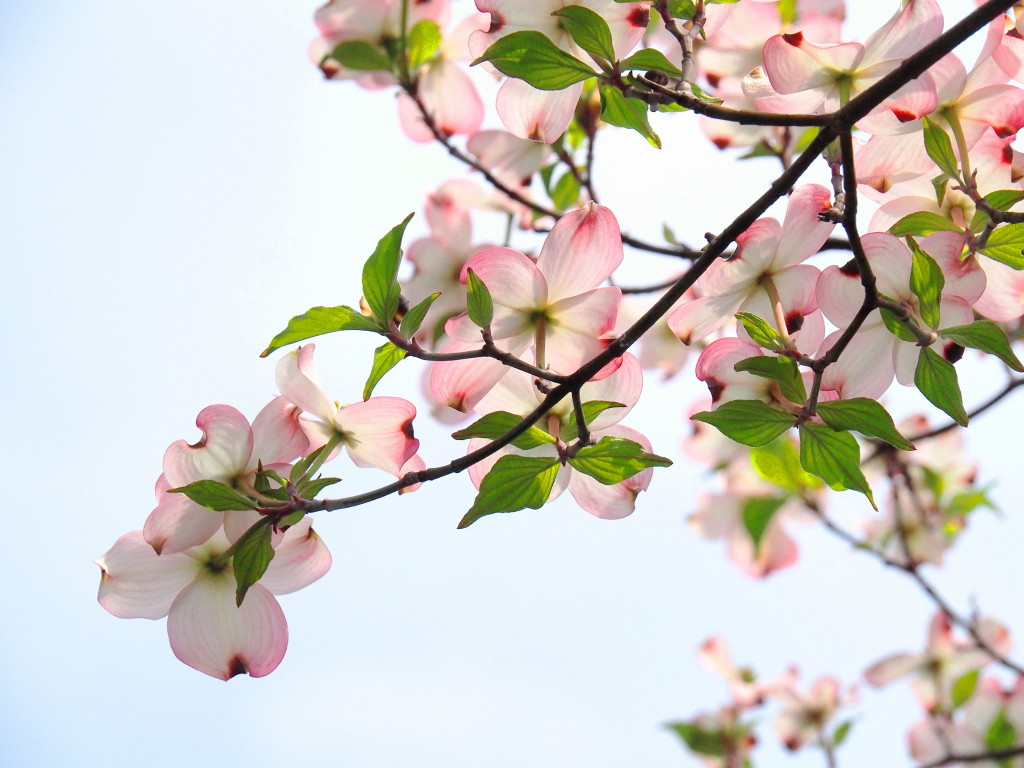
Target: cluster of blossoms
point(534, 345)
point(728, 736)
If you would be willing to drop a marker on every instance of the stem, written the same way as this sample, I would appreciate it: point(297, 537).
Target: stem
point(780, 314)
point(540, 341)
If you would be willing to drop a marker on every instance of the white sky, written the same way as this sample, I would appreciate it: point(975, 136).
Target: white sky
point(176, 183)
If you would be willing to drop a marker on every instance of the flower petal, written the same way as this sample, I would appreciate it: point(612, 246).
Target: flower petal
point(209, 633)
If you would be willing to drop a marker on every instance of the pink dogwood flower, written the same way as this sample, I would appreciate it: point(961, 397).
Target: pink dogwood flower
point(229, 452)
point(554, 305)
point(376, 432)
point(196, 593)
point(544, 115)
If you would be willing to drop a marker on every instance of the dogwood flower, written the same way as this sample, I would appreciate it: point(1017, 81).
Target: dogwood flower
point(196, 592)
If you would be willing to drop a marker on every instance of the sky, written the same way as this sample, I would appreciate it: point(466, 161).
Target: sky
point(176, 185)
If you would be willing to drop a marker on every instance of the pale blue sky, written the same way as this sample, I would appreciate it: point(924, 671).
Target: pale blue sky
point(177, 181)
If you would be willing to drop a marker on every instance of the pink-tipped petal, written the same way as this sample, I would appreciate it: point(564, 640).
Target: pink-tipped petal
point(221, 454)
point(378, 432)
point(581, 251)
point(136, 583)
point(296, 378)
point(300, 559)
point(209, 633)
point(277, 436)
point(178, 523)
point(533, 114)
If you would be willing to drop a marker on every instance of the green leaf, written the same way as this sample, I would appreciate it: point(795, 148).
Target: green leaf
point(936, 378)
point(939, 148)
point(215, 496)
point(926, 282)
point(301, 469)
point(360, 55)
point(1005, 245)
point(423, 42)
point(649, 59)
point(614, 459)
point(567, 189)
point(514, 483)
point(380, 275)
point(704, 96)
point(866, 416)
point(497, 424)
point(1001, 734)
point(251, 559)
point(761, 331)
point(1001, 200)
point(310, 489)
point(591, 410)
point(317, 321)
point(616, 109)
point(750, 422)
point(834, 457)
point(699, 740)
point(757, 513)
point(939, 184)
point(414, 317)
point(779, 463)
point(964, 688)
point(588, 29)
point(922, 223)
point(479, 305)
point(896, 326)
point(782, 370)
point(682, 9)
point(385, 357)
point(787, 10)
point(529, 55)
point(965, 502)
point(840, 733)
point(986, 336)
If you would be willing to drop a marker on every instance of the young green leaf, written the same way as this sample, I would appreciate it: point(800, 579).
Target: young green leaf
point(320, 320)
point(648, 59)
point(757, 513)
point(614, 459)
point(380, 275)
point(413, 319)
point(834, 457)
point(682, 9)
point(529, 55)
point(566, 191)
point(964, 687)
point(1001, 734)
point(215, 496)
point(936, 378)
point(760, 331)
point(1001, 200)
point(779, 463)
point(385, 357)
point(479, 304)
point(361, 56)
point(926, 282)
point(496, 424)
point(782, 370)
point(896, 326)
point(750, 422)
point(840, 733)
point(251, 559)
point(1005, 245)
point(591, 410)
point(423, 42)
point(986, 336)
point(310, 489)
point(588, 30)
point(514, 483)
point(939, 148)
point(699, 740)
point(922, 223)
point(616, 109)
point(866, 416)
